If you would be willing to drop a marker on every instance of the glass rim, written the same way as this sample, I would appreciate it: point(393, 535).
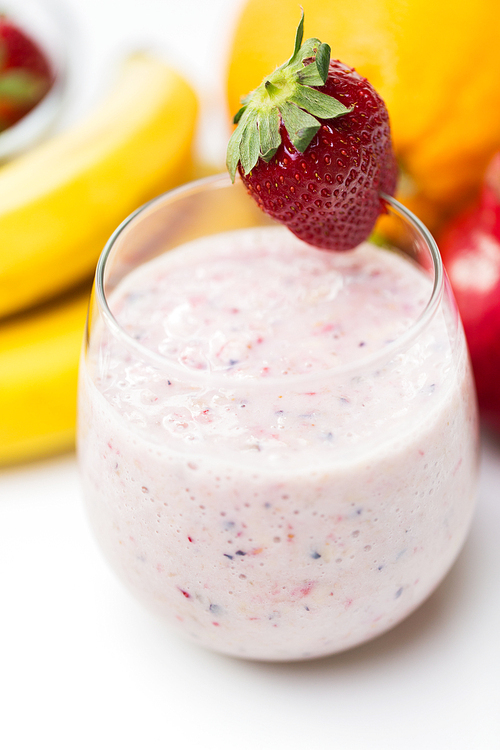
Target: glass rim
point(161, 361)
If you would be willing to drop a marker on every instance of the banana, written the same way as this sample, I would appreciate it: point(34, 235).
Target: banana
point(39, 352)
point(60, 202)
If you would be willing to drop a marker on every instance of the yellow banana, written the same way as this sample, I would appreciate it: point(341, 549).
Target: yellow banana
point(39, 353)
point(60, 202)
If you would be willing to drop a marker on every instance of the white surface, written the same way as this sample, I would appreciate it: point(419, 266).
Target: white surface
point(83, 666)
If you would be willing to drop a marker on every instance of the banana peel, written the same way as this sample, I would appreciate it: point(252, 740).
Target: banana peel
point(60, 202)
point(39, 353)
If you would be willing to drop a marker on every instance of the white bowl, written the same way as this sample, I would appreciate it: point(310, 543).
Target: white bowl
point(46, 23)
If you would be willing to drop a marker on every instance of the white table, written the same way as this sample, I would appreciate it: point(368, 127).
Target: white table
point(83, 666)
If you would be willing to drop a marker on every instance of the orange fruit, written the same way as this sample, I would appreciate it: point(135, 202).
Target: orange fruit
point(436, 63)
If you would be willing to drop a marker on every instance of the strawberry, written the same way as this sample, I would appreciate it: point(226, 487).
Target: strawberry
point(313, 147)
point(25, 74)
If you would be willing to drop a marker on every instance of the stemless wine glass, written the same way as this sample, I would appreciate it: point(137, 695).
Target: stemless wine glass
point(278, 445)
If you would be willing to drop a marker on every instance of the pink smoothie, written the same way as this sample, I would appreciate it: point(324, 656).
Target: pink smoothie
point(277, 457)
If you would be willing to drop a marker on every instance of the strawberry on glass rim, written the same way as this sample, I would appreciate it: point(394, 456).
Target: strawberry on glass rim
point(313, 147)
point(25, 73)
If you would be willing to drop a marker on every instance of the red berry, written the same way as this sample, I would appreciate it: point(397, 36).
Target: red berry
point(324, 185)
point(25, 74)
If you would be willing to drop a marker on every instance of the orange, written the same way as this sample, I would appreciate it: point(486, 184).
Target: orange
point(436, 63)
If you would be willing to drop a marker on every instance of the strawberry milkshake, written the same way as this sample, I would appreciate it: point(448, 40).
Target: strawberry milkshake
point(278, 445)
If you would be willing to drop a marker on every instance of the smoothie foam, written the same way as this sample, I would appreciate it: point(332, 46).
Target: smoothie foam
point(282, 478)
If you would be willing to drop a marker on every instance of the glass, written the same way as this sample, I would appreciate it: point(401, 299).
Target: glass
point(295, 484)
point(49, 25)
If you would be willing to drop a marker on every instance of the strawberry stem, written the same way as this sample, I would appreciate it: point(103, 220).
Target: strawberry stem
point(284, 97)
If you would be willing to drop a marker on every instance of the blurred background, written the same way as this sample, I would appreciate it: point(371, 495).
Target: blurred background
point(104, 105)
